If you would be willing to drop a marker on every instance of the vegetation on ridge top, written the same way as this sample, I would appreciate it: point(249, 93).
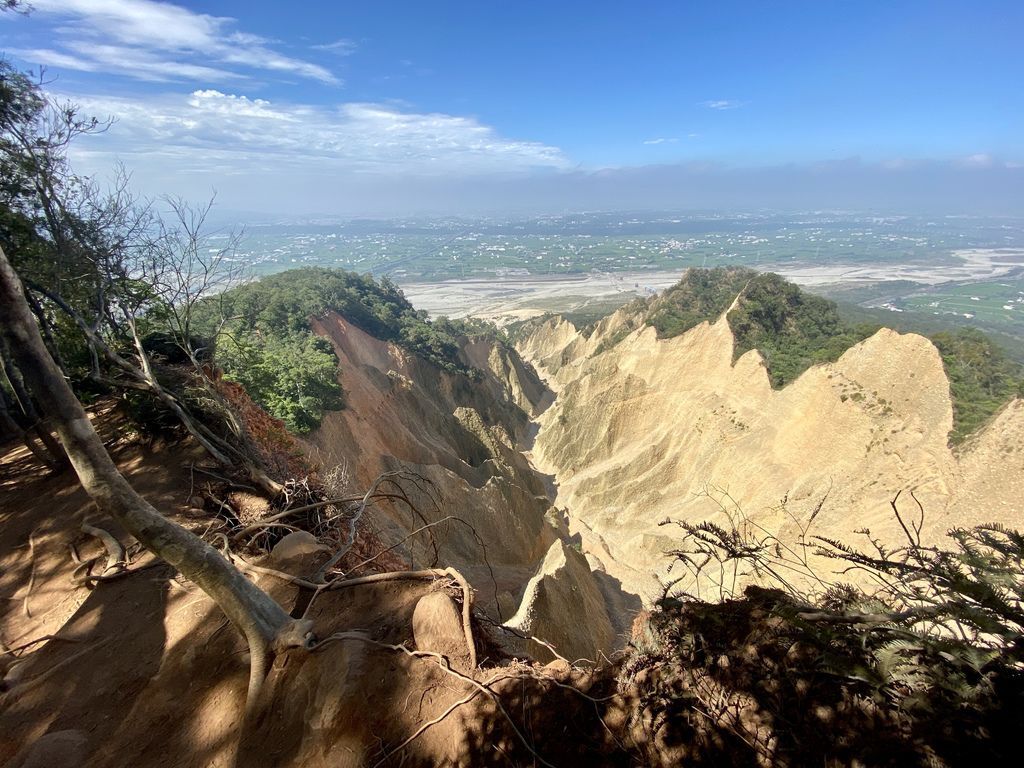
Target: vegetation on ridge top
point(794, 330)
point(791, 329)
point(267, 344)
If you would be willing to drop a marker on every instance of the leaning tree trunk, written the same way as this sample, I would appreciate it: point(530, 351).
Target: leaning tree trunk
point(260, 619)
point(141, 376)
point(9, 427)
point(28, 418)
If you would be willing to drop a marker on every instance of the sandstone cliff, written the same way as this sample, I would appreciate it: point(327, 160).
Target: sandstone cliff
point(464, 437)
point(644, 429)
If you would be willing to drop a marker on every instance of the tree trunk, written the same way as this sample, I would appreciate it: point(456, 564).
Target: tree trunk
point(142, 377)
point(26, 421)
point(261, 620)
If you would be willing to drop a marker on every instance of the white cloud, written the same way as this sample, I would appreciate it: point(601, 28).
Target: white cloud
point(143, 65)
point(341, 47)
point(660, 140)
point(211, 132)
point(722, 104)
point(980, 160)
point(151, 40)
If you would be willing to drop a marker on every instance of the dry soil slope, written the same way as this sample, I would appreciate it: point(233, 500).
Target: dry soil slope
point(648, 428)
point(465, 437)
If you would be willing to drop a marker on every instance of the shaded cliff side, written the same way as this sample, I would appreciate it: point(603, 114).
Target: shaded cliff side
point(465, 437)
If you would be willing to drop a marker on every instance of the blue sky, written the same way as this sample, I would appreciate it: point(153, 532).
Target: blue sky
point(359, 107)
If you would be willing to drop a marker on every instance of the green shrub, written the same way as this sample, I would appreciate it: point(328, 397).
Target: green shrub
point(981, 378)
point(265, 343)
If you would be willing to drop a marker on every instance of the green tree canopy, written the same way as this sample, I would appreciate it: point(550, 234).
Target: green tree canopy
point(264, 340)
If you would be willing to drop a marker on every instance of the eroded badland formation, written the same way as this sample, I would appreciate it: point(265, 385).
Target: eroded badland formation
point(553, 473)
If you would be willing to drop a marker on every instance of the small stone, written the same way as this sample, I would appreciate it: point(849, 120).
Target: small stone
point(295, 544)
point(559, 668)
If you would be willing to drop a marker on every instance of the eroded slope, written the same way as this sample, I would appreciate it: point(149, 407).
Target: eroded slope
point(466, 438)
point(644, 429)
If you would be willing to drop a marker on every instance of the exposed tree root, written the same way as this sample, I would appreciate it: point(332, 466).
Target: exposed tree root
point(377, 578)
point(428, 573)
point(31, 573)
point(116, 565)
point(427, 725)
point(45, 638)
point(245, 565)
point(535, 639)
point(444, 664)
point(116, 557)
point(28, 685)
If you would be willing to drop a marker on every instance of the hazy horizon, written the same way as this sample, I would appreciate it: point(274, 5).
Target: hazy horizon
point(402, 108)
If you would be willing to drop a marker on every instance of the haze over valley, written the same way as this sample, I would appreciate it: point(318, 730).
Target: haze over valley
point(948, 270)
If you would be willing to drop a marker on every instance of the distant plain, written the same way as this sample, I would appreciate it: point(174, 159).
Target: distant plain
point(905, 271)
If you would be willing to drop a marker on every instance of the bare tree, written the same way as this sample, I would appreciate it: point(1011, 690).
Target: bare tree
point(265, 625)
point(108, 263)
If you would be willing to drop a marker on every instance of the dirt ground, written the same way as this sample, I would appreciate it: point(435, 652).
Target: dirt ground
point(146, 671)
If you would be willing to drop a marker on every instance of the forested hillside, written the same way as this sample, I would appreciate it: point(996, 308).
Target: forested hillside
point(262, 337)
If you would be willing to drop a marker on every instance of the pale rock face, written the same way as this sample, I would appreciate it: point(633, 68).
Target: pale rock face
point(459, 436)
point(437, 628)
point(463, 439)
point(642, 430)
point(564, 606)
point(651, 429)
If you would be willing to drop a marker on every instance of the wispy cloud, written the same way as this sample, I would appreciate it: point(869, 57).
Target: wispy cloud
point(209, 132)
point(980, 160)
point(340, 47)
point(150, 40)
point(662, 140)
point(722, 104)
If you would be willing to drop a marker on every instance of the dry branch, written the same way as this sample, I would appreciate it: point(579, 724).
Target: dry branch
point(444, 664)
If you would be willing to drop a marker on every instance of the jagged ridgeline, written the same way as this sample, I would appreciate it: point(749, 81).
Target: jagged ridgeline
point(262, 336)
point(793, 330)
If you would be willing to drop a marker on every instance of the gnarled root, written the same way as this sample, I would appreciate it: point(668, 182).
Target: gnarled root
point(426, 573)
point(117, 559)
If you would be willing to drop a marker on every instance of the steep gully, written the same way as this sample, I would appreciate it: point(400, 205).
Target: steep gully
point(469, 442)
point(564, 480)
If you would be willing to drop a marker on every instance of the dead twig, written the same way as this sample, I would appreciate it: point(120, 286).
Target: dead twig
point(444, 664)
point(264, 522)
point(352, 523)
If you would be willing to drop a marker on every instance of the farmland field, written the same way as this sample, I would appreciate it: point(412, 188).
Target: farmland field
point(959, 270)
